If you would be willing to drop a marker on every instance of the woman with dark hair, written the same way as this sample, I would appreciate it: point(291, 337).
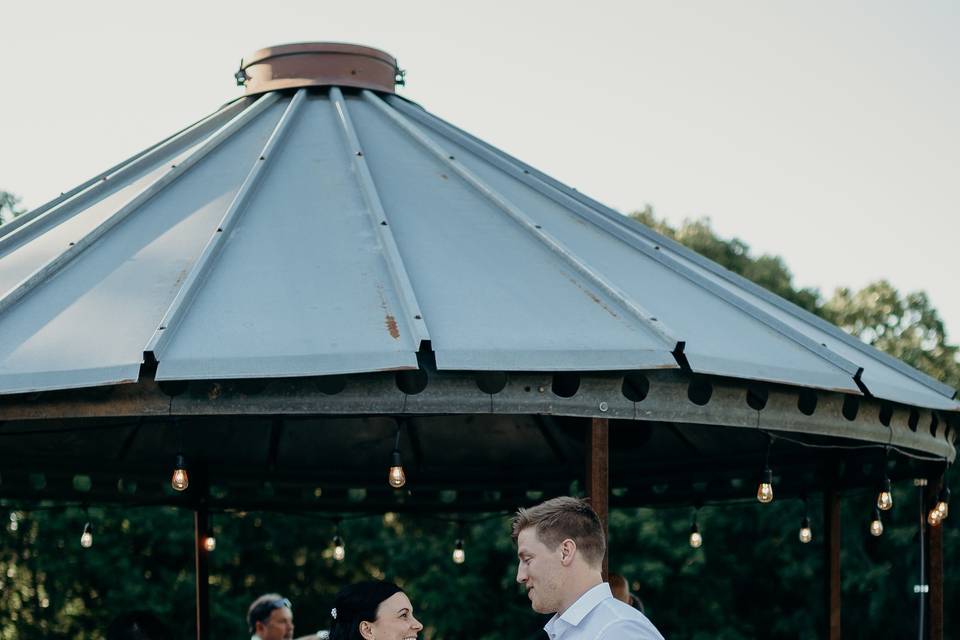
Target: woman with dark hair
point(373, 610)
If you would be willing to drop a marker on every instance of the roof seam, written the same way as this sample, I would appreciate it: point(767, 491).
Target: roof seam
point(74, 249)
point(14, 231)
point(649, 321)
point(205, 262)
point(590, 215)
point(636, 227)
point(381, 224)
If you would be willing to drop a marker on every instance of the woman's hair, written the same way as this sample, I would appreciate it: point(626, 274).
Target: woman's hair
point(358, 602)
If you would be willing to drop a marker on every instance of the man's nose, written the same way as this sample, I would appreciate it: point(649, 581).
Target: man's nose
point(521, 575)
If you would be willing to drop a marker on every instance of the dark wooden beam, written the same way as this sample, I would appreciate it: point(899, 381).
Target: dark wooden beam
point(831, 530)
point(201, 526)
point(598, 473)
point(934, 565)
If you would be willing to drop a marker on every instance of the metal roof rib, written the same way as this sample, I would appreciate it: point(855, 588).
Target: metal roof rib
point(633, 226)
point(208, 257)
point(74, 249)
point(381, 223)
point(648, 320)
point(18, 230)
point(592, 216)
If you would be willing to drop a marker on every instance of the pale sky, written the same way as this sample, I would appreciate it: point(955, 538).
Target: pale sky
point(823, 132)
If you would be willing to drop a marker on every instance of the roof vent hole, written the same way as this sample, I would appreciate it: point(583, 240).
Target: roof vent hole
point(412, 382)
point(635, 387)
point(699, 391)
point(492, 381)
point(757, 397)
point(886, 413)
point(851, 405)
point(807, 401)
point(330, 385)
point(934, 423)
point(914, 419)
point(565, 385)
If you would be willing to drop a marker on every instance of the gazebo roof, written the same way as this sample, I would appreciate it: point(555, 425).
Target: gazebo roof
point(319, 266)
point(319, 232)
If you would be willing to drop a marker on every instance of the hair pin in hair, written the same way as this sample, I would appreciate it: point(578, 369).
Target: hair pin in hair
point(333, 613)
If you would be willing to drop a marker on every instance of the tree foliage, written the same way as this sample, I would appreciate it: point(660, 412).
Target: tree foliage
point(9, 206)
point(751, 578)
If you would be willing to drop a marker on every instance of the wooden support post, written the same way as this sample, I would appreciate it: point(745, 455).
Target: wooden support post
point(933, 558)
point(201, 527)
point(598, 473)
point(831, 530)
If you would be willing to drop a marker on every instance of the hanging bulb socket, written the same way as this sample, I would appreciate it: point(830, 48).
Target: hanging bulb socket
point(806, 534)
point(459, 555)
point(396, 477)
point(86, 539)
point(181, 478)
point(765, 490)
point(885, 497)
point(876, 525)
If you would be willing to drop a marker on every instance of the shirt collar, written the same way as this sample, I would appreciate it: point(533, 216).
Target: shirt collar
point(586, 603)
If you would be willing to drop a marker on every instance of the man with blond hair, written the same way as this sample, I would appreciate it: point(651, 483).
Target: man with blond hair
point(560, 546)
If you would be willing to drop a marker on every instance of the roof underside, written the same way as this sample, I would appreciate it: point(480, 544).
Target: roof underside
point(321, 233)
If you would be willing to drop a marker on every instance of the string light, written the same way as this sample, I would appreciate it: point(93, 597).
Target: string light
point(396, 477)
point(806, 535)
point(765, 490)
point(209, 543)
point(876, 525)
point(696, 540)
point(943, 503)
point(181, 478)
point(339, 548)
point(86, 539)
point(885, 497)
point(459, 555)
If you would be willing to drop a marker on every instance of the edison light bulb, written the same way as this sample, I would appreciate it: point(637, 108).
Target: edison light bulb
point(885, 497)
point(180, 479)
point(86, 540)
point(934, 518)
point(943, 506)
point(339, 549)
point(459, 555)
point(397, 478)
point(876, 526)
point(696, 540)
point(765, 490)
point(209, 543)
point(806, 535)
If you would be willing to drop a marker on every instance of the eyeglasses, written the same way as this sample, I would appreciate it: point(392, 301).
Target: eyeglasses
point(264, 609)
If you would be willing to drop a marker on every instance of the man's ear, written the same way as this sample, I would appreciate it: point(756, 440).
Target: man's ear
point(366, 630)
point(568, 550)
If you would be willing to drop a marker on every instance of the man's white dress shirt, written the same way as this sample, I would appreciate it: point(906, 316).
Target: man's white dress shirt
point(597, 615)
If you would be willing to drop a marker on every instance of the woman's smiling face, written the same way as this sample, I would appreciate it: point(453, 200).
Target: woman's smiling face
point(394, 621)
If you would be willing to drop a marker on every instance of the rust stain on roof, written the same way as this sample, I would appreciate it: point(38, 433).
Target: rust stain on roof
point(392, 327)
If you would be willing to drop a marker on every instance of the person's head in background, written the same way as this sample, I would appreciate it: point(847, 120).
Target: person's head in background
point(270, 617)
